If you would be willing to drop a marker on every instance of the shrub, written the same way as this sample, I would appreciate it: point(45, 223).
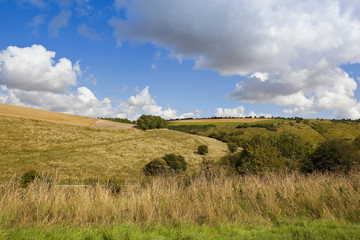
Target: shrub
point(150, 122)
point(232, 147)
point(334, 155)
point(29, 177)
point(294, 148)
point(203, 149)
point(156, 167)
point(175, 162)
point(260, 155)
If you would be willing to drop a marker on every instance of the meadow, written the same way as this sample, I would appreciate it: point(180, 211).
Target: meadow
point(211, 204)
point(92, 184)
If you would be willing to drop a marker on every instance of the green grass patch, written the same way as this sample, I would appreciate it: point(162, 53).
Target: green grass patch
point(298, 230)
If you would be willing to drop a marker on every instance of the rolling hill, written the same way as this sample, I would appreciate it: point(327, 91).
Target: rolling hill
point(67, 146)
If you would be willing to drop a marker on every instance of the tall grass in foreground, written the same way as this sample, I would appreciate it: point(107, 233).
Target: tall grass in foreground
point(172, 200)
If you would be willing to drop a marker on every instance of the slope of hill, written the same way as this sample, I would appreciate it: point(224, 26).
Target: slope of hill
point(37, 114)
point(80, 154)
point(62, 118)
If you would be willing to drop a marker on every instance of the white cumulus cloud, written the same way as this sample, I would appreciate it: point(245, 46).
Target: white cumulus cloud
point(33, 68)
point(230, 112)
point(142, 98)
point(29, 77)
point(290, 51)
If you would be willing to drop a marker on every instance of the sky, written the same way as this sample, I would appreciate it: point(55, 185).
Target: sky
point(182, 58)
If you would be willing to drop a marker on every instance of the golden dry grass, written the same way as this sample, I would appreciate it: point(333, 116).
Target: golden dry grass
point(78, 154)
point(249, 199)
point(37, 114)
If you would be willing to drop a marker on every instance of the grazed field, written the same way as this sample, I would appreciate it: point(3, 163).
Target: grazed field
point(81, 154)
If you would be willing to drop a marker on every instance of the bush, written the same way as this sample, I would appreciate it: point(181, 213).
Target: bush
point(156, 167)
point(232, 147)
point(151, 122)
point(29, 177)
point(260, 155)
point(203, 149)
point(294, 148)
point(334, 155)
point(175, 162)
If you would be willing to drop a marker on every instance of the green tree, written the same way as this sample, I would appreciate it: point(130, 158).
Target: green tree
point(150, 122)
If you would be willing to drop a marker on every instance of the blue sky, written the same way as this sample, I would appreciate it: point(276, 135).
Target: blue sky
point(182, 58)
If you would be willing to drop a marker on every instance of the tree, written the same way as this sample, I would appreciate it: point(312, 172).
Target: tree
point(151, 122)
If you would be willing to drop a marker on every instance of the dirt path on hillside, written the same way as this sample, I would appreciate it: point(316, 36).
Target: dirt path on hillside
point(105, 124)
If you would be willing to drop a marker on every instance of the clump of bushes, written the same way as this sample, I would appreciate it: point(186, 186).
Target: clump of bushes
point(169, 163)
point(151, 122)
point(203, 149)
point(334, 155)
point(285, 152)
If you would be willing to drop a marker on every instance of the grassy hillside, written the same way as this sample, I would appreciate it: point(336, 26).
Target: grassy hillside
point(37, 114)
point(81, 154)
point(207, 205)
point(312, 130)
